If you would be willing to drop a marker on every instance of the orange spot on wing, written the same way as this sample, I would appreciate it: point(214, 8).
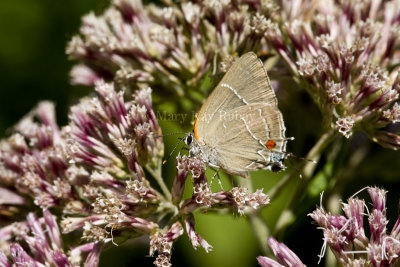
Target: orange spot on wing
point(270, 144)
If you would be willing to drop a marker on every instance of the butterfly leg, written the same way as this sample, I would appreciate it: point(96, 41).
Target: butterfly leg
point(183, 148)
point(259, 152)
point(216, 169)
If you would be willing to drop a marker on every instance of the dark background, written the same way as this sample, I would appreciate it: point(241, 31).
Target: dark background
point(33, 63)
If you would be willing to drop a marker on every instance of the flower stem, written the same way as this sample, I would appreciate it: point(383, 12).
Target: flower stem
point(314, 155)
point(307, 170)
point(261, 232)
point(156, 173)
point(257, 223)
point(307, 165)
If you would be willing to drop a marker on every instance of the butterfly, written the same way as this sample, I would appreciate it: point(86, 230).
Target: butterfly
point(239, 128)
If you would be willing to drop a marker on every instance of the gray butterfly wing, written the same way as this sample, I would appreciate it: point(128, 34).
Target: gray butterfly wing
point(246, 82)
point(253, 140)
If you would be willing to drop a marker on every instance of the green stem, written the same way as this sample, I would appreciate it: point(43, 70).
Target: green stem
point(309, 166)
point(257, 223)
point(330, 259)
point(261, 232)
point(156, 173)
point(277, 189)
point(346, 173)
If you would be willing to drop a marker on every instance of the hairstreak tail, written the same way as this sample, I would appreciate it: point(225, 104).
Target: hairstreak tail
point(239, 128)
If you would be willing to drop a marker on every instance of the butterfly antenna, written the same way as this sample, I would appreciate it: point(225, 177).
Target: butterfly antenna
point(173, 150)
point(291, 155)
point(157, 136)
point(305, 159)
point(298, 171)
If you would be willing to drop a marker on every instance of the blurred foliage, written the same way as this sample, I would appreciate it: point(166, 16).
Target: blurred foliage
point(33, 64)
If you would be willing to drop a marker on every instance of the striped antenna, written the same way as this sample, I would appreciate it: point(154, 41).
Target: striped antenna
point(291, 155)
point(156, 136)
point(173, 150)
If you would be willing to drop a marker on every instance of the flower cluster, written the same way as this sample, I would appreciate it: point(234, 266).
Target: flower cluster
point(170, 48)
point(348, 240)
point(33, 163)
point(238, 199)
point(92, 173)
point(101, 173)
point(42, 245)
point(344, 54)
point(284, 256)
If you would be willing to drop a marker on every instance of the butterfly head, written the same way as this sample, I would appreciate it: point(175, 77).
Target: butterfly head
point(189, 139)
